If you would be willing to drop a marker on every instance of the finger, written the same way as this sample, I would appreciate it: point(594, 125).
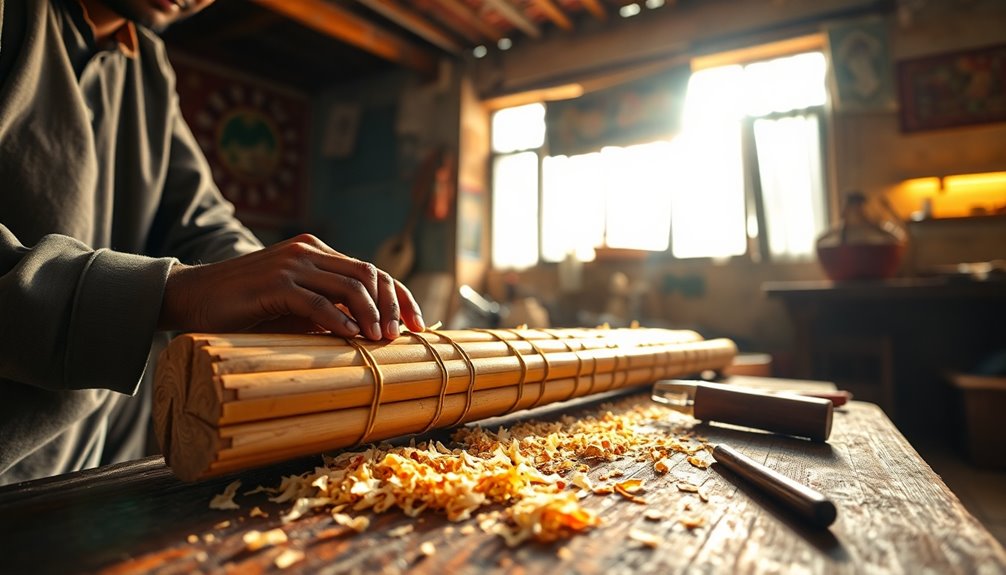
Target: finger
point(348, 291)
point(317, 308)
point(387, 304)
point(364, 272)
point(408, 308)
point(337, 262)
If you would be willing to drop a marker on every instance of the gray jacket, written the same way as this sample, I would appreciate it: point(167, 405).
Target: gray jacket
point(102, 186)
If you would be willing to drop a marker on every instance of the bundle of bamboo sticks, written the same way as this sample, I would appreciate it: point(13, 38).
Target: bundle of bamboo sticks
point(226, 402)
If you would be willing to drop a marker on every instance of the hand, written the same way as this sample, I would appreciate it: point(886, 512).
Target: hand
point(300, 284)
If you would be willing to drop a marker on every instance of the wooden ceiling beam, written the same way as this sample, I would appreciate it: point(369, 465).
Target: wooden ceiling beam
point(554, 13)
point(595, 8)
point(514, 16)
point(465, 14)
point(347, 27)
point(414, 23)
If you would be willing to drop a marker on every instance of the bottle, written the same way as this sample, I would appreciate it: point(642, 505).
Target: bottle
point(862, 247)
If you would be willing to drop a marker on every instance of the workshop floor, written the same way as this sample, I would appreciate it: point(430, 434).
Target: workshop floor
point(981, 490)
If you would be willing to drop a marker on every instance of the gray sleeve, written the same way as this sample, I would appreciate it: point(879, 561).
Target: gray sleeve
point(195, 223)
point(76, 318)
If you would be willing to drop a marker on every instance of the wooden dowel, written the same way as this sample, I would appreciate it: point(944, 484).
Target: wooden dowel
point(234, 360)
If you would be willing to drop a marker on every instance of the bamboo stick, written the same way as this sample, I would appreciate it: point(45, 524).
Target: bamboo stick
point(224, 402)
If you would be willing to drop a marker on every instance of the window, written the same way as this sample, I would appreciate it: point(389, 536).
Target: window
point(744, 176)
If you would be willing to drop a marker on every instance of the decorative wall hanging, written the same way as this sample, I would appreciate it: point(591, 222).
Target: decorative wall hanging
point(861, 70)
point(955, 89)
point(254, 136)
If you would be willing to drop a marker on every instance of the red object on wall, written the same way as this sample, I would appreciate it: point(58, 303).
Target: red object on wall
point(254, 136)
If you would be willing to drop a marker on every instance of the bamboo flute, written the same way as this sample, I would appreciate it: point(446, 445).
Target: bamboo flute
point(225, 402)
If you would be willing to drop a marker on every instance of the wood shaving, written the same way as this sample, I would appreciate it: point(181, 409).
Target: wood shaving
point(604, 490)
point(564, 553)
point(662, 466)
point(624, 492)
point(255, 540)
point(257, 512)
point(193, 538)
point(360, 523)
point(698, 462)
point(401, 530)
point(692, 522)
point(704, 492)
point(630, 485)
point(654, 515)
point(581, 480)
point(688, 487)
point(222, 525)
point(428, 548)
point(287, 558)
point(644, 537)
point(535, 472)
point(225, 500)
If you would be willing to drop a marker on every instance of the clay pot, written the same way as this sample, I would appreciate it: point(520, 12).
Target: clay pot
point(860, 247)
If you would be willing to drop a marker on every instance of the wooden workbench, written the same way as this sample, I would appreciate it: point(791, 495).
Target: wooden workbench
point(894, 516)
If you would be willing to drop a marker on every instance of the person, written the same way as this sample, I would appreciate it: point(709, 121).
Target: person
point(112, 235)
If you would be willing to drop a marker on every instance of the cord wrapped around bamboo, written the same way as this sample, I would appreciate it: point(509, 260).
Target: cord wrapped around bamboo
point(226, 402)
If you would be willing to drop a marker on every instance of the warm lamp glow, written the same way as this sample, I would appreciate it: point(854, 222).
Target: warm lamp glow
point(987, 182)
point(922, 187)
point(958, 195)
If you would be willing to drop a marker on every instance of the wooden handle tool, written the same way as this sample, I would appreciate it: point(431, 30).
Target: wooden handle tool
point(808, 503)
point(796, 415)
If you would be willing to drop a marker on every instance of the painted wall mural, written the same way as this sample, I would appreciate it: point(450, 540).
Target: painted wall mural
point(255, 138)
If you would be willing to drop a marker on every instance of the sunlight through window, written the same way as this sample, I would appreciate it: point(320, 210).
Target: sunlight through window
point(519, 128)
point(708, 216)
point(515, 211)
point(689, 195)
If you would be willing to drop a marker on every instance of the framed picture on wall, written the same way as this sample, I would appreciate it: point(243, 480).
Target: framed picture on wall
point(963, 88)
point(254, 136)
point(861, 67)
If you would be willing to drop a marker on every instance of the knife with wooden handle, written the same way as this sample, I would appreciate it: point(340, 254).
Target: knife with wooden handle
point(795, 415)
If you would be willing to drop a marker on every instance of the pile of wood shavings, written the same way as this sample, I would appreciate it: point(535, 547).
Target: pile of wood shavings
point(536, 470)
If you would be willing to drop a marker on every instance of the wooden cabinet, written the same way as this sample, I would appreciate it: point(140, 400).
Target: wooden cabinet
point(895, 342)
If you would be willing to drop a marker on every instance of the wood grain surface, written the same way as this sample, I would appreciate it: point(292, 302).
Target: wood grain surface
point(895, 515)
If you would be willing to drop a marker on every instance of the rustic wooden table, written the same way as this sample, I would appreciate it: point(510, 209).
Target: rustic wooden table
point(895, 515)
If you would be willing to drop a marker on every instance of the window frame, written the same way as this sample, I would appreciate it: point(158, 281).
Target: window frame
point(757, 250)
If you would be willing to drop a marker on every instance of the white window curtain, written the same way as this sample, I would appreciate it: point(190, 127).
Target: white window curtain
point(789, 163)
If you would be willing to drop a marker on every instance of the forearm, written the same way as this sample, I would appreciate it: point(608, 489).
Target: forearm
point(76, 318)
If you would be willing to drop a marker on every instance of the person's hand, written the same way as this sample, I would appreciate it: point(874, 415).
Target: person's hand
point(300, 284)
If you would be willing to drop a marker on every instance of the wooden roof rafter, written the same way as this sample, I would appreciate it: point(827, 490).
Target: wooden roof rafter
point(514, 16)
point(414, 23)
point(596, 8)
point(347, 27)
point(470, 18)
point(554, 13)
